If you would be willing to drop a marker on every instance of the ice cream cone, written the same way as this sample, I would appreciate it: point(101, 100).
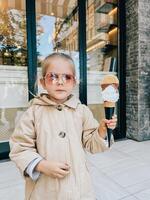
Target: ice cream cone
point(109, 99)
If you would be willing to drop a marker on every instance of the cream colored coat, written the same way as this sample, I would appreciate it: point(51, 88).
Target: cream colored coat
point(39, 133)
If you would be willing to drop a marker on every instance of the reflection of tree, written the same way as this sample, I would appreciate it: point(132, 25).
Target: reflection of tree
point(18, 22)
point(39, 29)
point(13, 37)
point(12, 26)
point(6, 29)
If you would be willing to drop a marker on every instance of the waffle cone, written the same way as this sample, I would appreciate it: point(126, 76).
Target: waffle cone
point(108, 104)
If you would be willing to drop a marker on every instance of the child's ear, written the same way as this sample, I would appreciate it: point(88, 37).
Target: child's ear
point(42, 81)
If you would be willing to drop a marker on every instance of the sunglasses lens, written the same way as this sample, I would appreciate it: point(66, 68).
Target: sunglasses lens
point(51, 77)
point(68, 78)
point(55, 78)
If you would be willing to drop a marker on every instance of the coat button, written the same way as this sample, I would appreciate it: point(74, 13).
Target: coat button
point(62, 134)
point(59, 107)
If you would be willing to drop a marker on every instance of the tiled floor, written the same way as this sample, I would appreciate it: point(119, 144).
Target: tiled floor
point(122, 173)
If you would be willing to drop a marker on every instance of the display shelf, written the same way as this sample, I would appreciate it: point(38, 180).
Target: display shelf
point(94, 41)
point(107, 28)
point(108, 47)
point(106, 7)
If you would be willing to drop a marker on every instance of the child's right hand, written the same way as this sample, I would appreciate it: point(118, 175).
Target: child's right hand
point(53, 169)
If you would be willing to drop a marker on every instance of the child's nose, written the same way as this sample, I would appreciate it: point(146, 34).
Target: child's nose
point(60, 81)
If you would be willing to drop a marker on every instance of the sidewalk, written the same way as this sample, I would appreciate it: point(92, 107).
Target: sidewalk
point(123, 173)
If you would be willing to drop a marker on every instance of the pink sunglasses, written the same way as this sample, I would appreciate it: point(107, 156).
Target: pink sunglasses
point(53, 78)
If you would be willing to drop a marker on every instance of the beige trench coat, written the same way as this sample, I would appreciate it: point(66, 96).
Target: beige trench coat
point(58, 133)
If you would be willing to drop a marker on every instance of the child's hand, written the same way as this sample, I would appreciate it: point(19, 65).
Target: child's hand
point(53, 169)
point(112, 122)
point(107, 123)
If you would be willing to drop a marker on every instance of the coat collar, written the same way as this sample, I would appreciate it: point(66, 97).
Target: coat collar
point(44, 99)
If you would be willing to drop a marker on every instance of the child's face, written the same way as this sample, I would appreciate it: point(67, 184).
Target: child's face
point(59, 79)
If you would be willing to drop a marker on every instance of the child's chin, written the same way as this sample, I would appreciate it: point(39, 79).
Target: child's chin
point(61, 97)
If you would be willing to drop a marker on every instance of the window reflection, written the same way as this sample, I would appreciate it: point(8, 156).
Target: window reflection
point(13, 37)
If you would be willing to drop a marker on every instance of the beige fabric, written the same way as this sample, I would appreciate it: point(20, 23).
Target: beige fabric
point(37, 134)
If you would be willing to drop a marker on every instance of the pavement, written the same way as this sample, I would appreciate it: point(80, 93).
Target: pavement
point(122, 173)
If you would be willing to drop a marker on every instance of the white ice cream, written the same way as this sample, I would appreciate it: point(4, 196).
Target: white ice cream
point(110, 94)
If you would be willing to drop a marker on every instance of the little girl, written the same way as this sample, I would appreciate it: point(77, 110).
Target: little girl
point(49, 141)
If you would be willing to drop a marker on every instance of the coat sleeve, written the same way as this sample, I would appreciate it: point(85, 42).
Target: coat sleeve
point(23, 141)
point(91, 139)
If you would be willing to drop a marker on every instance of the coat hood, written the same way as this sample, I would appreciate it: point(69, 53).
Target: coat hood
point(44, 100)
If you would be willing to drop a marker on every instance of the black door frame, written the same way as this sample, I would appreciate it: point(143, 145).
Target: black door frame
point(121, 132)
point(31, 46)
point(82, 51)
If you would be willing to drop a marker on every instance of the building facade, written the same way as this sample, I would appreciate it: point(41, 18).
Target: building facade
point(138, 69)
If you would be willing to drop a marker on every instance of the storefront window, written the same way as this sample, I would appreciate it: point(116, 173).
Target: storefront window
point(102, 48)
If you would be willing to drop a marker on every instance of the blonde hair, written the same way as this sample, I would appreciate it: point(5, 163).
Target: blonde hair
point(46, 62)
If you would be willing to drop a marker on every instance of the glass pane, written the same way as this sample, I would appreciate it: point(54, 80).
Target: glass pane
point(57, 31)
point(102, 48)
point(13, 50)
point(13, 70)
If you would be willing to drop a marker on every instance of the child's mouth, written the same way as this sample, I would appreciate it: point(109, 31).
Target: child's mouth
point(60, 91)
